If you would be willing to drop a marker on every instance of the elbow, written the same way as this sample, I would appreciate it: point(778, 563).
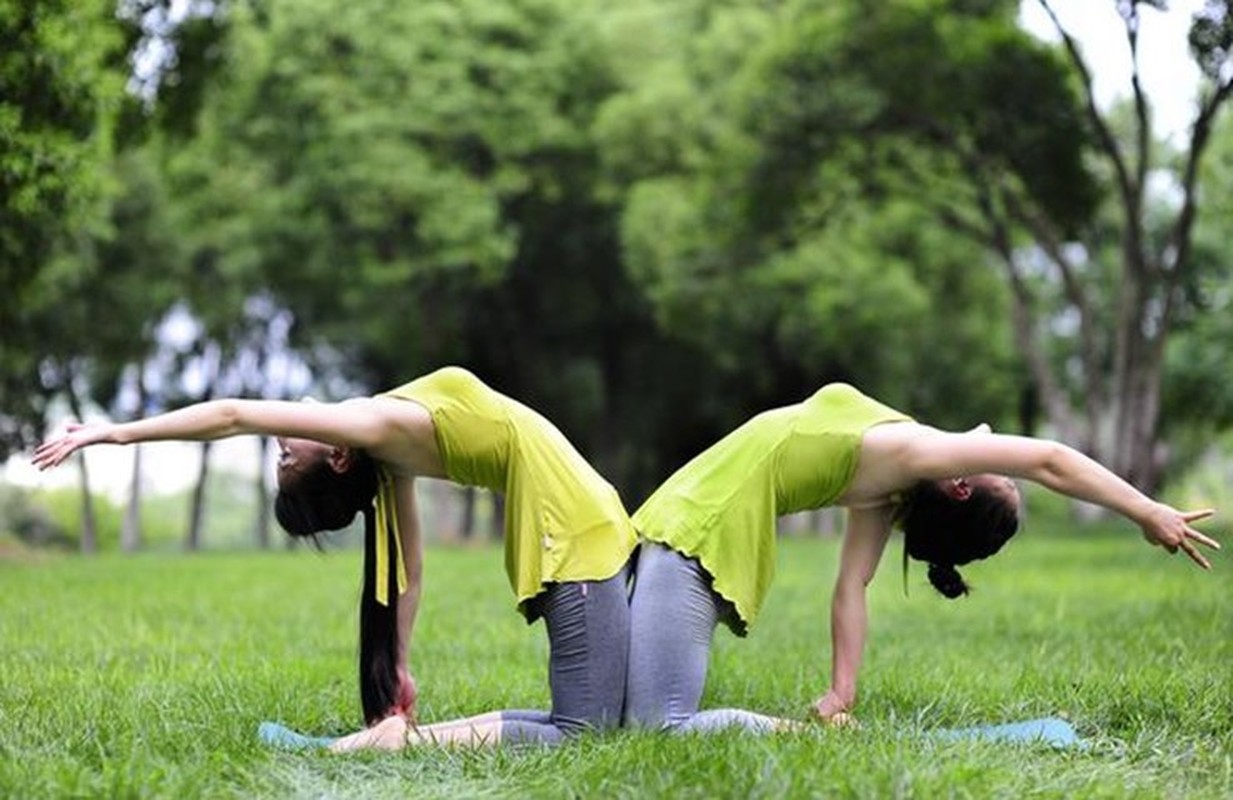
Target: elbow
point(850, 590)
point(1054, 465)
point(229, 422)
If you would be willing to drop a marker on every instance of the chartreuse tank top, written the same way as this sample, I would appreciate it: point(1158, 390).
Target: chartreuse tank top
point(563, 521)
point(721, 507)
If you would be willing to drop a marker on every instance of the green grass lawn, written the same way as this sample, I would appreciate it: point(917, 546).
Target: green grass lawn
point(147, 676)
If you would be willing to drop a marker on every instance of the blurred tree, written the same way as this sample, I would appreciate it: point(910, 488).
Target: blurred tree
point(61, 89)
point(1018, 173)
point(783, 282)
point(1198, 401)
point(81, 220)
point(419, 184)
point(93, 313)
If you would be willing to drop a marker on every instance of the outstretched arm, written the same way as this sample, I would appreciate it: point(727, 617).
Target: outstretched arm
point(864, 540)
point(355, 423)
point(1061, 469)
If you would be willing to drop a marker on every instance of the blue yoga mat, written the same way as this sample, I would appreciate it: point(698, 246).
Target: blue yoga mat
point(276, 735)
point(1053, 731)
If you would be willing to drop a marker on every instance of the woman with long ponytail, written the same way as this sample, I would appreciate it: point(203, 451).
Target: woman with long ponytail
point(709, 553)
point(380, 686)
point(567, 536)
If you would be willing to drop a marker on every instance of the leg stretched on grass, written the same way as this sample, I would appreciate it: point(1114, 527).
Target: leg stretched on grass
point(588, 633)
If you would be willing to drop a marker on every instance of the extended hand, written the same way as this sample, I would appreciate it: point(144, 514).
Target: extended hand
point(77, 435)
point(1169, 528)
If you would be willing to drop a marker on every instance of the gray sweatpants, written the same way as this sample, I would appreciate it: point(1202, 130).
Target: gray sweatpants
point(672, 617)
point(588, 637)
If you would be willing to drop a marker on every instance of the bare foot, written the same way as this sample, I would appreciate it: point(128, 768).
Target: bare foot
point(842, 720)
point(388, 734)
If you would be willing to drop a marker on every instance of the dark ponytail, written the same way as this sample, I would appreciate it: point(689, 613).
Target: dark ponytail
point(378, 629)
point(321, 499)
point(946, 532)
point(947, 580)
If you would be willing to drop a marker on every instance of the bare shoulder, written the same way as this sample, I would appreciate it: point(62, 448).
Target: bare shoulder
point(394, 409)
point(409, 439)
point(880, 471)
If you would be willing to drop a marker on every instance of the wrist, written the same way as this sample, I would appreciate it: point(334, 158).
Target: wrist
point(112, 434)
point(845, 694)
point(1145, 511)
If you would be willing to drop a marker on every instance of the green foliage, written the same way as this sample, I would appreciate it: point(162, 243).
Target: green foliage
point(1211, 38)
point(52, 517)
point(1198, 399)
point(61, 89)
point(1207, 482)
point(837, 74)
point(648, 219)
point(64, 508)
point(24, 517)
point(149, 675)
point(754, 223)
point(369, 150)
point(59, 94)
point(418, 184)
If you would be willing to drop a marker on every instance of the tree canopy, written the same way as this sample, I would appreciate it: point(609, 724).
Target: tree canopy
point(647, 220)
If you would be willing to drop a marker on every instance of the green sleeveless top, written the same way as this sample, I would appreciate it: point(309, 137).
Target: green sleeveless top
point(563, 521)
point(721, 507)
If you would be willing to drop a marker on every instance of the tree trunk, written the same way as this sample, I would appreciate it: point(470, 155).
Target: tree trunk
point(89, 526)
point(1138, 356)
point(211, 366)
point(498, 516)
point(130, 531)
point(1133, 455)
point(196, 511)
point(262, 525)
point(89, 529)
point(467, 529)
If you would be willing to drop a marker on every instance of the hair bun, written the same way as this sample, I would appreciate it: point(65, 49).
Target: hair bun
point(947, 580)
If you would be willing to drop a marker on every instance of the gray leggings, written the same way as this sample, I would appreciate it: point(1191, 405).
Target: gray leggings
point(588, 637)
point(672, 617)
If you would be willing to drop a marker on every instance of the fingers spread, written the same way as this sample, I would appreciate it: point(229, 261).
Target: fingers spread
point(1201, 539)
point(1195, 555)
point(1194, 516)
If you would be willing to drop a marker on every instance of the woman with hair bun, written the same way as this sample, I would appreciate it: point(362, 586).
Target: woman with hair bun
point(567, 535)
point(709, 531)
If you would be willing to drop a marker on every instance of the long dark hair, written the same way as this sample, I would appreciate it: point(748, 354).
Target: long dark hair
point(945, 532)
point(321, 499)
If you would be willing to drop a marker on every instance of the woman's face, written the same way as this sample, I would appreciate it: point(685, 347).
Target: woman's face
point(297, 455)
point(1001, 486)
point(997, 485)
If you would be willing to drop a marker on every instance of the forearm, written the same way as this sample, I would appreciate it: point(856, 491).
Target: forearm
point(849, 623)
point(215, 419)
point(413, 560)
point(1074, 474)
point(408, 608)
